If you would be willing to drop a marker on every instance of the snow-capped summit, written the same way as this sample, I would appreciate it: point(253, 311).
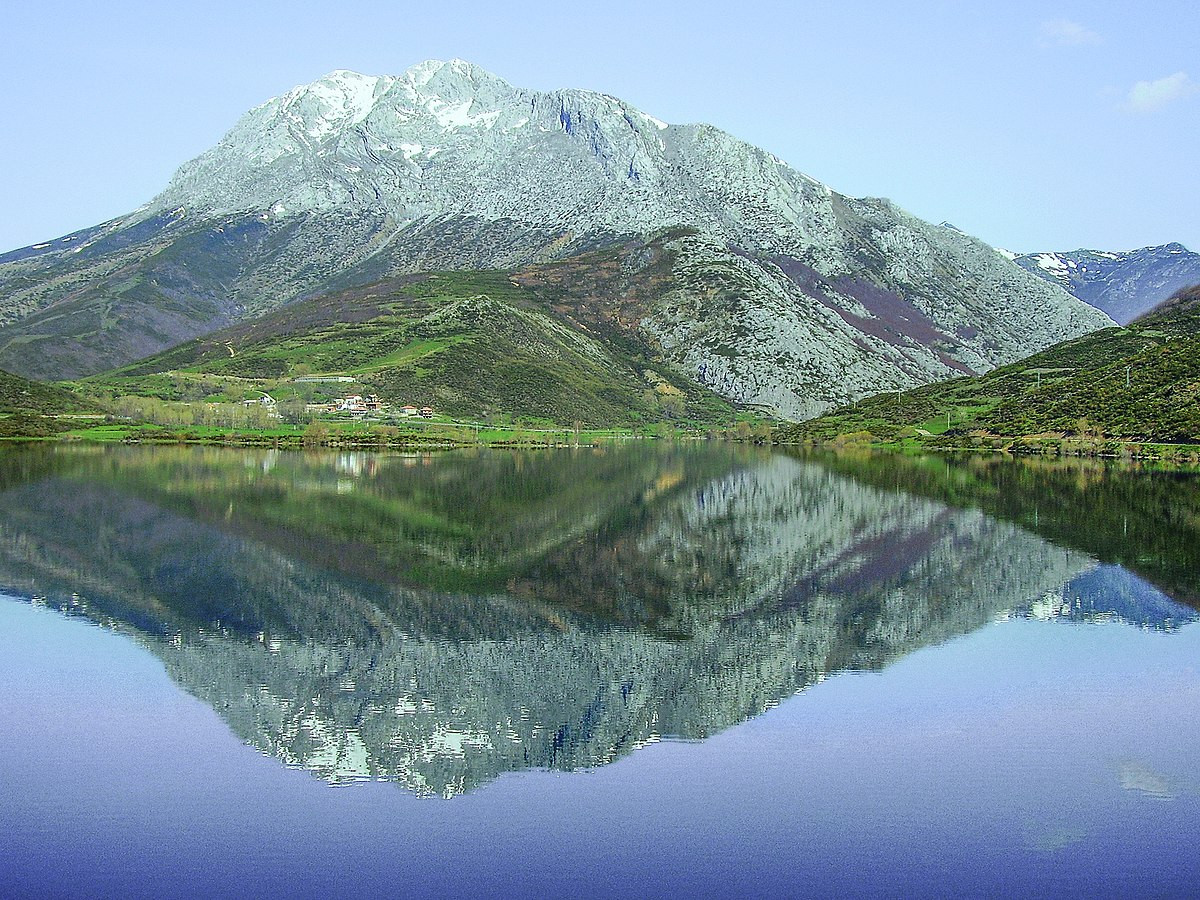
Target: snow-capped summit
point(449, 138)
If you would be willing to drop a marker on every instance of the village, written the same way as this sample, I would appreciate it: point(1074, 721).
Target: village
point(360, 406)
point(352, 406)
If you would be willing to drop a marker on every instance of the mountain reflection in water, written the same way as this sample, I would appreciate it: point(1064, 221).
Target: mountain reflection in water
point(438, 620)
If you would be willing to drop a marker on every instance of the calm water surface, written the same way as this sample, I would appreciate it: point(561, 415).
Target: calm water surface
point(637, 672)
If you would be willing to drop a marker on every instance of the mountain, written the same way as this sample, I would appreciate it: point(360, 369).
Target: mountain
point(30, 409)
point(778, 292)
point(1123, 285)
point(1137, 383)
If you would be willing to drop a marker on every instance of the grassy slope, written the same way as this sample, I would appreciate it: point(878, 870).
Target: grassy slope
point(112, 301)
point(20, 395)
point(1075, 388)
point(535, 343)
point(32, 409)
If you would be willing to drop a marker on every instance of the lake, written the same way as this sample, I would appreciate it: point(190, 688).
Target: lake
point(651, 670)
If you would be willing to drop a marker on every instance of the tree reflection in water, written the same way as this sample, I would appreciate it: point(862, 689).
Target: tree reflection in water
point(440, 619)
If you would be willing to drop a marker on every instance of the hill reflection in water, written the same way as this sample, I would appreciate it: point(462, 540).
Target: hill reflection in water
point(438, 620)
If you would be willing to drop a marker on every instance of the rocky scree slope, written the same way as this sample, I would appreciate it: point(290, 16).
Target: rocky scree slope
point(782, 294)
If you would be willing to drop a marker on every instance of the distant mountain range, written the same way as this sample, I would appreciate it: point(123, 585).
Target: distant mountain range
point(1123, 285)
point(752, 280)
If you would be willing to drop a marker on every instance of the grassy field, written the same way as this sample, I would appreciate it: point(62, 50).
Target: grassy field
point(332, 433)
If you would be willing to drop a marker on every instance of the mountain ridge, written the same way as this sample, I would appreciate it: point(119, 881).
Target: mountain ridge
point(820, 297)
point(1123, 284)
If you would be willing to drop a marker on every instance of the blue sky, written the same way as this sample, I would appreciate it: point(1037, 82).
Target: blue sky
point(1035, 126)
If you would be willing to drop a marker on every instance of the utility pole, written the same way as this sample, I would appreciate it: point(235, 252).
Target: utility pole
point(1128, 369)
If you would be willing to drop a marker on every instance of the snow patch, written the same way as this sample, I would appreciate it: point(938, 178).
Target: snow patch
point(343, 98)
point(1007, 254)
point(1049, 261)
point(420, 74)
point(458, 115)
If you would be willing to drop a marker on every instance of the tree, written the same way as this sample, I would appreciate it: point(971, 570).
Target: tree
point(672, 406)
point(763, 433)
point(316, 434)
point(293, 412)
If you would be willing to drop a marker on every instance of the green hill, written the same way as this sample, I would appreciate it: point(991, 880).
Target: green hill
point(1140, 383)
point(32, 409)
point(530, 344)
point(20, 395)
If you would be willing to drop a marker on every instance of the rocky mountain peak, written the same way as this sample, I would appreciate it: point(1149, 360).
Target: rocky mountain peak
point(446, 135)
point(432, 79)
point(773, 290)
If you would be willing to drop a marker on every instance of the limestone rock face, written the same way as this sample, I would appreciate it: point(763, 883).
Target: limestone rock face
point(784, 294)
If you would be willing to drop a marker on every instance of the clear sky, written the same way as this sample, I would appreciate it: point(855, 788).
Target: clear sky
point(1036, 126)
